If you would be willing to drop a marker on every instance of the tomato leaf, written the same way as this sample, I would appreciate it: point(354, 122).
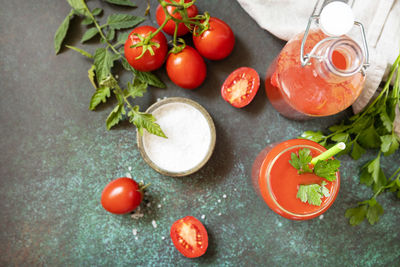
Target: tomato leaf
point(79, 7)
point(115, 116)
point(62, 32)
point(137, 89)
point(91, 75)
point(89, 34)
point(121, 3)
point(145, 121)
point(103, 62)
point(122, 37)
point(123, 21)
point(110, 34)
point(99, 96)
point(146, 77)
point(81, 51)
point(87, 21)
point(327, 169)
point(97, 11)
point(312, 193)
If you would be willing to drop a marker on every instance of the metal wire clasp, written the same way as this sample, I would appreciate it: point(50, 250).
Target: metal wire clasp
point(305, 59)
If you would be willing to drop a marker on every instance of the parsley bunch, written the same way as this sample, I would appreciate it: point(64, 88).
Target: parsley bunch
point(104, 58)
point(371, 129)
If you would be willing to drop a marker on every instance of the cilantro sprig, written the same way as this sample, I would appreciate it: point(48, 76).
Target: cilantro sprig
point(313, 193)
point(323, 168)
point(373, 128)
point(104, 59)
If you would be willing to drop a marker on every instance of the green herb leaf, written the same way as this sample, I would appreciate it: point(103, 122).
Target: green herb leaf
point(79, 7)
point(374, 211)
point(387, 123)
point(121, 2)
point(366, 177)
point(99, 96)
point(340, 137)
point(327, 169)
point(356, 215)
point(357, 151)
point(62, 32)
point(81, 51)
point(312, 193)
point(373, 168)
point(301, 162)
point(369, 138)
point(91, 76)
point(145, 121)
point(313, 136)
point(103, 61)
point(89, 34)
point(389, 144)
point(115, 116)
point(123, 21)
point(146, 77)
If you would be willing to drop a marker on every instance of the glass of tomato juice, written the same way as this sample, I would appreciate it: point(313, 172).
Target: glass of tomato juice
point(277, 182)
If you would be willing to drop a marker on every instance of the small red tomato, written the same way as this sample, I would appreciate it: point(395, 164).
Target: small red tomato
point(186, 68)
point(147, 62)
point(189, 237)
point(240, 87)
point(121, 196)
point(217, 42)
point(169, 28)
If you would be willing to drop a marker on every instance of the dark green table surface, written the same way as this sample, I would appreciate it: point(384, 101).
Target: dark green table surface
point(57, 156)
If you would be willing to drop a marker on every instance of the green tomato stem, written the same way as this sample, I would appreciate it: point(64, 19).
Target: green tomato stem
point(329, 153)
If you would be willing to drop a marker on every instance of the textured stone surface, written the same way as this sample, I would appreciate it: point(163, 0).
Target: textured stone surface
point(56, 157)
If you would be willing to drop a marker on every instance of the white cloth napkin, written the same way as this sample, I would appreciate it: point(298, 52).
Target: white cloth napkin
point(381, 20)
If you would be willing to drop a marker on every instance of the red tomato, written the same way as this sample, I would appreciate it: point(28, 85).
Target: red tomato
point(240, 87)
point(121, 196)
point(169, 28)
point(217, 42)
point(189, 237)
point(186, 68)
point(147, 62)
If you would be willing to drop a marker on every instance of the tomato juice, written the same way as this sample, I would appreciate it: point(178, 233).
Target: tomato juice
point(328, 85)
point(277, 181)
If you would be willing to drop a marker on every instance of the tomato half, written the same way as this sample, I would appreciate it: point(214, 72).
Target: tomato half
point(187, 68)
point(147, 62)
point(121, 196)
point(169, 28)
point(189, 237)
point(240, 87)
point(217, 42)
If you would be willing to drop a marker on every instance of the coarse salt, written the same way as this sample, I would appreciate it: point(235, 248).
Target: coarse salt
point(224, 196)
point(128, 175)
point(134, 231)
point(153, 222)
point(203, 216)
point(188, 138)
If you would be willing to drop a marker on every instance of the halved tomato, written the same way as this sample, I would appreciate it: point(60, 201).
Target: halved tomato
point(189, 237)
point(240, 87)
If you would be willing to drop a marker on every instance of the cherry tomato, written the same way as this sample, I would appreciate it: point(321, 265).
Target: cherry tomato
point(169, 28)
point(186, 68)
point(217, 42)
point(121, 196)
point(240, 87)
point(189, 237)
point(147, 62)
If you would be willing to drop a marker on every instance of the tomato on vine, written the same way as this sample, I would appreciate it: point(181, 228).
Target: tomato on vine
point(216, 42)
point(186, 68)
point(169, 27)
point(155, 50)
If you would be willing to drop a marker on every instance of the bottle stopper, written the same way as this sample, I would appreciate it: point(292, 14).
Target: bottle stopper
point(336, 18)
